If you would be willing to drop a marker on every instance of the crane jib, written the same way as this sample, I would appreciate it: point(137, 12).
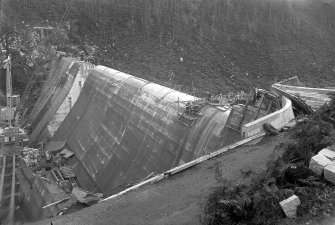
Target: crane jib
point(9, 90)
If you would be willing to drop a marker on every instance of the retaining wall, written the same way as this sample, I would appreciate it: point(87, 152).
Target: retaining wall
point(71, 97)
point(277, 119)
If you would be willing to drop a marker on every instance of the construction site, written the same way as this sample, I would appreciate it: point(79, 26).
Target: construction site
point(170, 112)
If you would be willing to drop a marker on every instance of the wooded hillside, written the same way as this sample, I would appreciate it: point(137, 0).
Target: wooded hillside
point(216, 45)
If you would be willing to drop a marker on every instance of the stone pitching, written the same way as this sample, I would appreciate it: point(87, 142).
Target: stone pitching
point(290, 205)
point(318, 163)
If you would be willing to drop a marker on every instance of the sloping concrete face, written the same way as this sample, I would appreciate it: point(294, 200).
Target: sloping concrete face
point(123, 128)
point(71, 98)
point(45, 92)
point(60, 82)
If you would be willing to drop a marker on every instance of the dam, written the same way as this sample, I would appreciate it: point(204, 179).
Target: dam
point(118, 130)
point(125, 128)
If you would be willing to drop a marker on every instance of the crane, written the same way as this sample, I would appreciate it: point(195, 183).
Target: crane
point(8, 65)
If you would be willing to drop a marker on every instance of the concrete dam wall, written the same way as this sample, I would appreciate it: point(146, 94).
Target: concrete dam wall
point(58, 94)
point(277, 119)
point(123, 128)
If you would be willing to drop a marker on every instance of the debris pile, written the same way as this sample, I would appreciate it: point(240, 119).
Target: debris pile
point(67, 172)
point(86, 197)
point(51, 166)
point(80, 199)
point(29, 155)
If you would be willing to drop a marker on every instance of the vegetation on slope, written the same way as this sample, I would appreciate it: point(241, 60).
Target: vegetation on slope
point(215, 45)
point(258, 203)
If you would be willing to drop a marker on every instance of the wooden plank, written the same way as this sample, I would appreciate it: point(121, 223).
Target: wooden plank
point(55, 203)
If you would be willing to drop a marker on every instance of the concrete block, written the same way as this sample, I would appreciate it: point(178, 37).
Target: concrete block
point(329, 172)
point(290, 205)
point(328, 153)
point(318, 163)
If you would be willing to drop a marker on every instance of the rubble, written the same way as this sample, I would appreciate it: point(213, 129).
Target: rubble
point(318, 163)
point(67, 172)
point(290, 205)
point(269, 129)
point(86, 197)
point(30, 156)
point(65, 185)
point(66, 153)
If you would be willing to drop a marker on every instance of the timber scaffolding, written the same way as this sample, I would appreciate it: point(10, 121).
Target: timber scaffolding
point(11, 142)
point(192, 111)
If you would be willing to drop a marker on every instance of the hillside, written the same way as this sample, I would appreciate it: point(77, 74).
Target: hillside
point(214, 45)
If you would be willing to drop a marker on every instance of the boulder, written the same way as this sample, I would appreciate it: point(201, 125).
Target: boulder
point(329, 172)
point(328, 153)
point(318, 163)
point(269, 129)
point(290, 205)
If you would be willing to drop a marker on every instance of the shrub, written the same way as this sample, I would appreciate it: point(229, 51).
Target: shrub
point(259, 203)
